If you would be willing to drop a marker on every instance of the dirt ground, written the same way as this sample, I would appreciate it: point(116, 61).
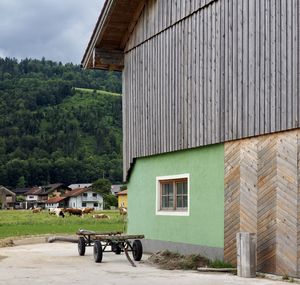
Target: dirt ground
point(59, 263)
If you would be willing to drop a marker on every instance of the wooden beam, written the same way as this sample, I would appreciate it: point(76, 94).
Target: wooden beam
point(132, 24)
point(108, 59)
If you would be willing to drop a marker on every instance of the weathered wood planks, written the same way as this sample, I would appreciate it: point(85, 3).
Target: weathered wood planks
point(262, 184)
point(204, 72)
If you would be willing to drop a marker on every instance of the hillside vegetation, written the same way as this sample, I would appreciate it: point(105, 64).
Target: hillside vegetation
point(56, 125)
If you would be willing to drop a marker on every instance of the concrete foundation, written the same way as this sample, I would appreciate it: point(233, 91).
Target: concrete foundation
point(152, 246)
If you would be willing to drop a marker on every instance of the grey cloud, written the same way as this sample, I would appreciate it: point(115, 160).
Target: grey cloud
point(56, 29)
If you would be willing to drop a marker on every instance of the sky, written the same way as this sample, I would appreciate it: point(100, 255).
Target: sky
point(58, 30)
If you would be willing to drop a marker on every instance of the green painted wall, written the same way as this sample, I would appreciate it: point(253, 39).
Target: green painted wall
point(205, 224)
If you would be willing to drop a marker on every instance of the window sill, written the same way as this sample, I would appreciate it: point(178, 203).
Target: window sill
point(173, 213)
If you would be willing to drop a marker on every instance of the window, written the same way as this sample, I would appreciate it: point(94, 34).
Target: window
point(83, 204)
point(95, 204)
point(84, 194)
point(172, 195)
point(94, 194)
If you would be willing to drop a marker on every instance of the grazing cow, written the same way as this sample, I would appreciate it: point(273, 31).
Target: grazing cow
point(101, 216)
point(36, 210)
point(73, 211)
point(56, 211)
point(123, 211)
point(87, 210)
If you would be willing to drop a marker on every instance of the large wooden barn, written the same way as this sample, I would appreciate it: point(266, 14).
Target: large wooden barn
point(210, 122)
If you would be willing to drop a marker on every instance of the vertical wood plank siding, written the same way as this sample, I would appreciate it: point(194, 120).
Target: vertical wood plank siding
point(204, 72)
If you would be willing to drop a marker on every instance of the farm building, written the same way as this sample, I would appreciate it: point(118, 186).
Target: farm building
point(7, 198)
point(210, 122)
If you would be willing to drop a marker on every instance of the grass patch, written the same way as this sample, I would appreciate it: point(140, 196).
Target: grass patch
point(219, 264)
point(25, 223)
point(172, 261)
point(102, 92)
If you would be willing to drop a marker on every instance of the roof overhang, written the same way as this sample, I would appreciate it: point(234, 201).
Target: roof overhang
point(115, 24)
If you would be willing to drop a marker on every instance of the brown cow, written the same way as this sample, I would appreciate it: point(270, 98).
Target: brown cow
point(73, 211)
point(36, 210)
point(101, 216)
point(87, 210)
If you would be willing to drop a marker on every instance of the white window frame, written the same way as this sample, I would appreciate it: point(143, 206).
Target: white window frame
point(160, 212)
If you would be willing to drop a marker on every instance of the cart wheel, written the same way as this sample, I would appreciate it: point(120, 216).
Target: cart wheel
point(98, 253)
point(81, 246)
point(137, 250)
point(116, 248)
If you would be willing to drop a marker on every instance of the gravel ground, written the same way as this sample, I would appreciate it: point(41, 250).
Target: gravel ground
point(59, 263)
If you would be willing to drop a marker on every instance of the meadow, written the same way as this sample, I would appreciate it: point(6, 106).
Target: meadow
point(15, 223)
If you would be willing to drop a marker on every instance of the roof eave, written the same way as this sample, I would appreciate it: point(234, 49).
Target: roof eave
point(87, 60)
point(115, 24)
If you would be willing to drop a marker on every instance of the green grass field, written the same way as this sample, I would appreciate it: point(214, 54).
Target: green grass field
point(101, 92)
point(25, 223)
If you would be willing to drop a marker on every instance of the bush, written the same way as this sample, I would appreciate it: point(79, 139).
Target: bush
point(110, 201)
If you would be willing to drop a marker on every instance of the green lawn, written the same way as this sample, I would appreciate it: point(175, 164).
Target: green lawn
point(25, 223)
point(86, 90)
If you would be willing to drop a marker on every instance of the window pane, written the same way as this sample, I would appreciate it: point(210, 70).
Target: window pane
point(167, 189)
point(179, 202)
point(185, 204)
point(164, 202)
point(181, 187)
point(167, 202)
point(171, 202)
point(167, 195)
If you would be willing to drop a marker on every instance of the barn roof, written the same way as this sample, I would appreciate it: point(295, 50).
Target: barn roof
point(55, 200)
point(6, 191)
point(113, 28)
point(21, 191)
point(51, 187)
point(76, 192)
point(124, 192)
point(35, 191)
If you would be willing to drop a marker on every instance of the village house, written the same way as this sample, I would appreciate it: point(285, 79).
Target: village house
point(211, 122)
point(7, 198)
point(84, 198)
point(56, 202)
point(37, 196)
point(122, 199)
point(56, 189)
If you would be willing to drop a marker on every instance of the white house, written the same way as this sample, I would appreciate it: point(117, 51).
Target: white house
point(84, 197)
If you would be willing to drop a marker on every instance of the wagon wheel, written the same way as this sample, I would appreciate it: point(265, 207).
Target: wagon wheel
point(137, 250)
point(98, 252)
point(116, 248)
point(81, 246)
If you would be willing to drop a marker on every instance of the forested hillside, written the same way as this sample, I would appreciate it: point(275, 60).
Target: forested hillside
point(55, 126)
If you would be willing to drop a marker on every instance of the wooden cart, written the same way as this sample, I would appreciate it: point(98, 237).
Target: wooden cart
point(116, 242)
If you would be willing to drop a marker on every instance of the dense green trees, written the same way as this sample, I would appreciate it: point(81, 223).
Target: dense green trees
point(52, 129)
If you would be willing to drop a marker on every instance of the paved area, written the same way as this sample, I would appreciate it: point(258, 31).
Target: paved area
point(59, 263)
